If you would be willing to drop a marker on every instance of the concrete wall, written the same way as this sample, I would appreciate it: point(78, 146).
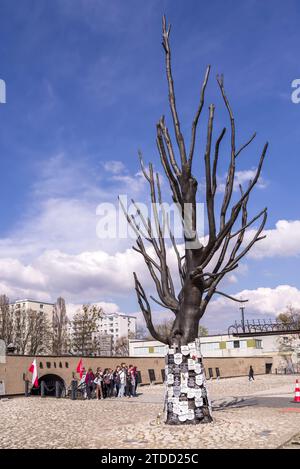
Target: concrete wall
point(11, 372)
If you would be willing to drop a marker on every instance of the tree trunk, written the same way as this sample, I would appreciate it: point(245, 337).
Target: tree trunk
point(187, 400)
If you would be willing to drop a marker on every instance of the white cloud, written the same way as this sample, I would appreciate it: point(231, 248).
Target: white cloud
point(108, 307)
point(114, 167)
point(282, 241)
point(263, 302)
point(241, 178)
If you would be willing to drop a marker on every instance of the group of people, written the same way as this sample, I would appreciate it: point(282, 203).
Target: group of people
point(121, 382)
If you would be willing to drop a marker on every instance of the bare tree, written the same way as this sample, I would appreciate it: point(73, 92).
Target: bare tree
point(204, 264)
point(289, 344)
point(60, 322)
point(40, 333)
point(121, 347)
point(31, 332)
point(226, 244)
point(85, 330)
point(6, 320)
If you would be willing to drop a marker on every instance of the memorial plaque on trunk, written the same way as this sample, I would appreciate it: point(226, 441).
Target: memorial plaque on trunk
point(178, 358)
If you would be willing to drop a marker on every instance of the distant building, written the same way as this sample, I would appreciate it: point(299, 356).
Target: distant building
point(20, 306)
point(105, 345)
point(117, 326)
point(285, 358)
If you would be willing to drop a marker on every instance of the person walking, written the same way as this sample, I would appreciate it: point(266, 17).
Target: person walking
point(251, 373)
point(89, 381)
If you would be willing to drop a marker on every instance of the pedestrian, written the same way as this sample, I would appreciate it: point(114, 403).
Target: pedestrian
point(251, 373)
point(122, 375)
point(107, 382)
point(127, 385)
point(136, 379)
point(132, 380)
point(117, 381)
point(89, 382)
point(111, 383)
point(82, 383)
point(98, 383)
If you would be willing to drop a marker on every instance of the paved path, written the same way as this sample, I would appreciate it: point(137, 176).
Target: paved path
point(266, 419)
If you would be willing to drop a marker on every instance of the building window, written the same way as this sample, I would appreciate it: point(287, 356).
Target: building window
point(210, 372)
point(210, 346)
point(41, 365)
point(54, 364)
point(151, 375)
point(48, 364)
point(141, 351)
point(60, 364)
point(258, 343)
point(236, 344)
point(67, 365)
point(41, 306)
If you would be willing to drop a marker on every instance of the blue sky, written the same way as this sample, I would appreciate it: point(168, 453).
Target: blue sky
point(86, 85)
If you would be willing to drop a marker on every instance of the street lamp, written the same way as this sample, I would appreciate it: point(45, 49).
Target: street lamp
point(242, 309)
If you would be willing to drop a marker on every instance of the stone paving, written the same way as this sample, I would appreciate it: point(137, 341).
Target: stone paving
point(267, 418)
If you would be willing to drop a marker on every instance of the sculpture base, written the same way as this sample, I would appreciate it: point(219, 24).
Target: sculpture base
point(186, 401)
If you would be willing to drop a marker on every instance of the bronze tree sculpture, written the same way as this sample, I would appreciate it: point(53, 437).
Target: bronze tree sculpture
point(226, 242)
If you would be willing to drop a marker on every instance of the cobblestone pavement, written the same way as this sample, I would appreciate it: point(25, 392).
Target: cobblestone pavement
point(267, 419)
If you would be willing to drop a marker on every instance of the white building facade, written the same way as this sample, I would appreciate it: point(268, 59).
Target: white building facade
point(38, 306)
point(118, 325)
point(285, 358)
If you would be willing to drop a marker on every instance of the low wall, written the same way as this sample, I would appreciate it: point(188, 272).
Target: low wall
point(13, 372)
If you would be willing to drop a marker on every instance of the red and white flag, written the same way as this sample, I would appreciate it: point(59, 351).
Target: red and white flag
point(79, 368)
point(33, 369)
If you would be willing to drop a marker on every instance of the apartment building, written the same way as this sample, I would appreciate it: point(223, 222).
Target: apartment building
point(118, 325)
point(33, 305)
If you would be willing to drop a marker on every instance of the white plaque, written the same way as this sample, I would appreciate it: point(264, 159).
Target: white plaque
point(184, 378)
point(191, 364)
point(183, 405)
point(198, 368)
point(198, 393)
point(178, 358)
point(199, 402)
point(199, 380)
point(191, 393)
point(185, 350)
point(190, 414)
point(170, 379)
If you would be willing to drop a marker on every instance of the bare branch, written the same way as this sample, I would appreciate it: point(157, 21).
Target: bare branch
point(229, 297)
point(214, 173)
point(146, 310)
point(245, 145)
point(231, 169)
point(196, 118)
point(209, 196)
point(168, 141)
point(179, 137)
